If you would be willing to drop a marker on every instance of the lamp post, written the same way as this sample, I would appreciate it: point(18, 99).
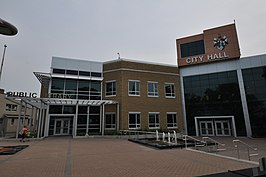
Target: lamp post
point(2, 63)
point(7, 28)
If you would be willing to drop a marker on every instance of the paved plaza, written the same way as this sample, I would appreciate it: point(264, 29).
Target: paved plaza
point(108, 157)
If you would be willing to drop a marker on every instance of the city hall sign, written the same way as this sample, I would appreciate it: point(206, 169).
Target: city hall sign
point(209, 57)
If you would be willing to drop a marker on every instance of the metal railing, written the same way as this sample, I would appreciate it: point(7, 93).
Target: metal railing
point(138, 134)
point(236, 142)
point(197, 142)
point(213, 142)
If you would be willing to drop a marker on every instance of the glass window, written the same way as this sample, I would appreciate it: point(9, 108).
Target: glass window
point(58, 71)
point(57, 84)
point(133, 88)
point(171, 120)
point(12, 121)
point(11, 107)
point(96, 74)
point(169, 90)
point(110, 88)
point(134, 120)
point(192, 48)
point(154, 120)
point(84, 73)
point(55, 109)
point(69, 110)
point(110, 121)
point(153, 89)
point(71, 84)
point(72, 72)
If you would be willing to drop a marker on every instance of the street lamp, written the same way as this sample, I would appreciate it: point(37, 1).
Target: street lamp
point(2, 63)
point(7, 28)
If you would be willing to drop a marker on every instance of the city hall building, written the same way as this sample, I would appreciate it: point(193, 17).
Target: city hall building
point(83, 98)
point(223, 94)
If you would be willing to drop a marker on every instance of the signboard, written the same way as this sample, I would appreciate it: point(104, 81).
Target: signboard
point(21, 94)
point(218, 44)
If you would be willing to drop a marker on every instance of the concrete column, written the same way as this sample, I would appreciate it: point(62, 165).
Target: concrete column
point(244, 102)
point(19, 117)
point(103, 117)
point(39, 121)
point(75, 121)
point(47, 122)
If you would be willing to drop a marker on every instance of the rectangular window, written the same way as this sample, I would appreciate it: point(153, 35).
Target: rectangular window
point(171, 120)
point(11, 107)
point(110, 88)
point(72, 72)
point(153, 89)
point(133, 88)
point(192, 48)
point(134, 120)
point(59, 71)
point(170, 90)
point(154, 120)
point(110, 121)
point(12, 121)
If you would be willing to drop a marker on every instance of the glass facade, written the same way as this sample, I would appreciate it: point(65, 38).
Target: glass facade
point(192, 48)
point(215, 94)
point(255, 88)
point(75, 89)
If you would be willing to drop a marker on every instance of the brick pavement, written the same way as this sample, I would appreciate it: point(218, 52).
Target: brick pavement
point(98, 157)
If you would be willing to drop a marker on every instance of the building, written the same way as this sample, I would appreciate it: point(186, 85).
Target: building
point(13, 111)
point(223, 94)
point(82, 97)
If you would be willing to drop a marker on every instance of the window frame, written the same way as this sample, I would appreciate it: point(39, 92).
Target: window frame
point(113, 90)
point(157, 118)
point(137, 93)
point(153, 93)
point(172, 93)
point(174, 122)
point(113, 126)
point(137, 125)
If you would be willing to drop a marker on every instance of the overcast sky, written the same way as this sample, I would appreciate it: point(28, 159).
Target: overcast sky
point(96, 30)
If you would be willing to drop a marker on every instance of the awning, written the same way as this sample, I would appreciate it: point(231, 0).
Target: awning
point(38, 102)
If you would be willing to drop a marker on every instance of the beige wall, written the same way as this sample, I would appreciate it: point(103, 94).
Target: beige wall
point(122, 71)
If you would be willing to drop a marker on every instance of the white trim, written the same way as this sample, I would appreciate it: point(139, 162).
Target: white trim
point(156, 113)
point(110, 81)
point(129, 80)
point(153, 82)
point(173, 90)
point(139, 120)
point(175, 113)
point(137, 61)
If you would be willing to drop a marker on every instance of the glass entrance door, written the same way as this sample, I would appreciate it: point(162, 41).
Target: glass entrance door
point(206, 128)
point(222, 128)
point(62, 127)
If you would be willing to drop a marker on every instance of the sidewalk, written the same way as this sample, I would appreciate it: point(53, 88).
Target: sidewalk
point(67, 157)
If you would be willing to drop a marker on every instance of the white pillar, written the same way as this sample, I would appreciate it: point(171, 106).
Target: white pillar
point(47, 122)
point(102, 115)
point(75, 121)
point(19, 117)
point(244, 102)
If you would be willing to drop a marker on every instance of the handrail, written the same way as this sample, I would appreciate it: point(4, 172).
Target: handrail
point(247, 146)
point(212, 140)
point(216, 143)
point(186, 137)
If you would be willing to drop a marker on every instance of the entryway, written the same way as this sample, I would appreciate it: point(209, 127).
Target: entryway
point(215, 126)
point(62, 126)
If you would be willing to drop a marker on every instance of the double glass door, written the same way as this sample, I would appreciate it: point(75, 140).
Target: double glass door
point(62, 126)
point(206, 128)
point(222, 128)
point(215, 127)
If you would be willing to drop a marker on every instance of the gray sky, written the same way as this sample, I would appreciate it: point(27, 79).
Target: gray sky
point(96, 30)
